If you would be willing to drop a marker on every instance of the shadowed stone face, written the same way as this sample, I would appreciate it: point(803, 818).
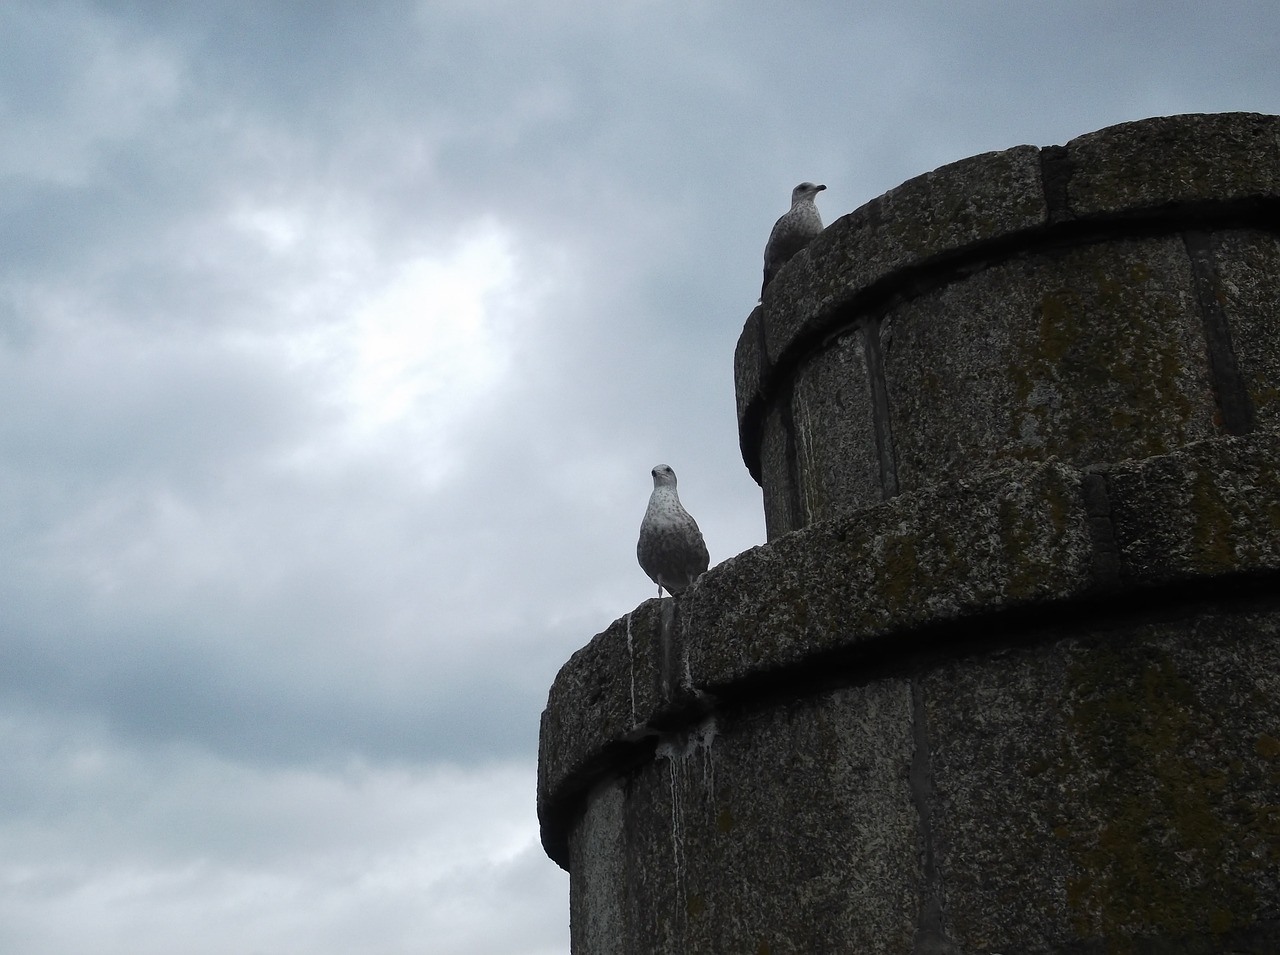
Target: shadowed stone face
point(919, 725)
point(1004, 679)
point(1112, 298)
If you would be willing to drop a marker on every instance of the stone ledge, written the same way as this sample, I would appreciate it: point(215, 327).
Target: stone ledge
point(954, 207)
point(1164, 173)
point(1174, 160)
point(748, 361)
point(1038, 539)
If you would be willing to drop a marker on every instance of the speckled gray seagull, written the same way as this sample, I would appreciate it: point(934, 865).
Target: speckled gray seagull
point(671, 549)
point(793, 231)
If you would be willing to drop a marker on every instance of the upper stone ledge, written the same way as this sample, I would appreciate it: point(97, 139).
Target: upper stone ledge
point(994, 204)
point(954, 207)
point(1168, 161)
point(1038, 535)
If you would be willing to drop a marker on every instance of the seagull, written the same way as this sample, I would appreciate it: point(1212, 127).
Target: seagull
point(793, 230)
point(671, 549)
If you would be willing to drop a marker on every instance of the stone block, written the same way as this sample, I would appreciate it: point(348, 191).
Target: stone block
point(1208, 510)
point(723, 858)
point(781, 496)
point(598, 867)
point(1248, 268)
point(1090, 354)
point(602, 699)
point(998, 542)
point(1171, 160)
point(1112, 792)
point(833, 415)
point(748, 363)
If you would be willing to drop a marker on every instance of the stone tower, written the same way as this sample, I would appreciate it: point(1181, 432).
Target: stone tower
point(1006, 677)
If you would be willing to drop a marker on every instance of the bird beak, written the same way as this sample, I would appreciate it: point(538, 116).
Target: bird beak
point(819, 188)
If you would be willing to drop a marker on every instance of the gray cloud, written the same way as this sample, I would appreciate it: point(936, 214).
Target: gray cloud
point(301, 508)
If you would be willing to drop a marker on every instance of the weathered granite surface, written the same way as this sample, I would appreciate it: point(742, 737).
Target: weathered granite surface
point(1174, 160)
point(1106, 299)
point(1006, 677)
point(1114, 791)
point(1038, 711)
point(1090, 354)
point(1244, 284)
point(672, 862)
point(922, 571)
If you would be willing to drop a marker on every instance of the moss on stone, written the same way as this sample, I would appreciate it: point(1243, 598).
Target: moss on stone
point(1152, 847)
point(1112, 336)
point(899, 564)
point(1212, 531)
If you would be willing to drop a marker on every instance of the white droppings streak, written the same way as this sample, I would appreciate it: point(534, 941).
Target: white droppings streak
point(677, 750)
point(674, 757)
point(706, 734)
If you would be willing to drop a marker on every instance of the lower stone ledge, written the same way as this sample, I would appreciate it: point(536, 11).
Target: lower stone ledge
point(936, 571)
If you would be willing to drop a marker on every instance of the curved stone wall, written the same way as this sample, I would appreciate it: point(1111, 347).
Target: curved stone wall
point(1078, 302)
point(1013, 685)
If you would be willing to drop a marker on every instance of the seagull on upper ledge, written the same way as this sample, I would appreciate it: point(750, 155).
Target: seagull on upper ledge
point(793, 230)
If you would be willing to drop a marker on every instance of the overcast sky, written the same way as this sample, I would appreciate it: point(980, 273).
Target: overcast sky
point(337, 341)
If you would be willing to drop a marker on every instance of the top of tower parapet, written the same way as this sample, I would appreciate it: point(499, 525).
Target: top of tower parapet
point(1167, 173)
